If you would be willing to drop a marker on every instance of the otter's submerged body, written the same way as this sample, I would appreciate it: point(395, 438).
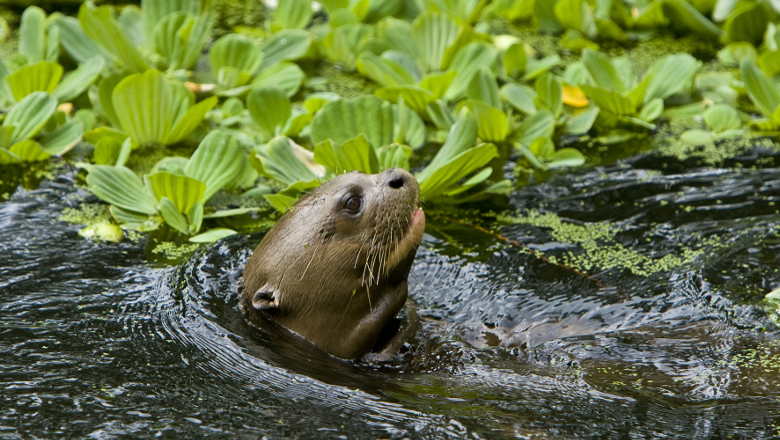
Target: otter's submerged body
point(334, 268)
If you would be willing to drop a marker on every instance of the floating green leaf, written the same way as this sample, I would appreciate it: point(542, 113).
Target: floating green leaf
point(29, 115)
point(107, 151)
point(448, 176)
point(63, 138)
point(121, 187)
point(582, 122)
point(566, 158)
point(75, 82)
point(285, 45)
point(722, 117)
point(293, 14)
point(172, 216)
point(577, 15)
point(433, 34)
point(212, 235)
point(394, 156)
point(540, 124)
point(468, 60)
point(41, 76)
point(609, 100)
point(101, 27)
point(150, 110)
point(29, 151)
point(748, 23)
point(602, 71)
point(520, 97)
point(483, 87)
point(285, 76)
point(343, 120)
point(183, 191)
point(270, 108)
point(284, 161)
point(462, 136)
point(514, 60)
point(384, 71)
point(670, 75)
point(31, 34)
point(354, 154)
point(143, 104)
point(492, 123)
point(315, 101)
point(417, 98)
point(761, 89)
point(216, 162)
point(75, 42)
point(8, 158)
point(549, 94)
point(438, 82)
point(179, 38)
point(234, 60)
point(652, 110)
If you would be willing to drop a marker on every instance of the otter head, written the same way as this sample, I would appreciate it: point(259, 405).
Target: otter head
point(333, 269)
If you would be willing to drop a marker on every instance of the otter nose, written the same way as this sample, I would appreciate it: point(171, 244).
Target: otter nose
point(396, 180)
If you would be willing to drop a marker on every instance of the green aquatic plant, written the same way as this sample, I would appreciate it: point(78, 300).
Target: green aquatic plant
point(175, 191)
point(34, 67)
point(239, 65)
point(764, 93)
point(275, 115)
point(354, 11)
point(519, 62)
point(622, 99)
point(610, 20)
point(37, 42)
point(432, 58)
point(47, 76)
point(722, 120)
point(150, 108)
point(459, 165)
point(381, 122)
point(286, 162)
point(292, 14)
point(161, 34)
point(33, 130)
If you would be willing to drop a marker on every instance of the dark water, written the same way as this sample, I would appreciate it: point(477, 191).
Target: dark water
point(661, 336)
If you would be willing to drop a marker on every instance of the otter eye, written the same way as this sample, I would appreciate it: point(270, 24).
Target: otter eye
point(353, 204)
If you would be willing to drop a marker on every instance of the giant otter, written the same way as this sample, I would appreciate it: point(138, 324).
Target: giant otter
point(333, 269)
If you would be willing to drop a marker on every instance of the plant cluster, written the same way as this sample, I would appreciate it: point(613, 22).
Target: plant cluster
point(152, 76)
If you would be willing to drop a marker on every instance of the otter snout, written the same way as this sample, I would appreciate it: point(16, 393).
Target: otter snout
point(398, 178)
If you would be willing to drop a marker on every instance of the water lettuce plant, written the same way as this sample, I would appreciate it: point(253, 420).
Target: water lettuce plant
point(30, 131)
point(175, 191)
point(446, 82)
point(613, 86)
point(161, 34)
point(150, 108)
point(36, 41)
point(238, 64)
point(361, 135)
point(616, 20)
point(417, 53)
point(764, 93)
point(47, 76)
point(274, 114)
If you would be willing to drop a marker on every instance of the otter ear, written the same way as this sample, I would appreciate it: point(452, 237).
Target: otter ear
point(266, 298)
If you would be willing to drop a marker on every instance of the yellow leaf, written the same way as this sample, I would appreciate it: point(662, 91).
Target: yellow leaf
point(574, 97)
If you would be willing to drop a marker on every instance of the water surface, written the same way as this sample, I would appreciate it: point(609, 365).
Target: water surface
point(617, 302)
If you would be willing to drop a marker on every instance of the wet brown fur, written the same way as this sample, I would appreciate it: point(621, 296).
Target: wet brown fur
point(327, 273)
